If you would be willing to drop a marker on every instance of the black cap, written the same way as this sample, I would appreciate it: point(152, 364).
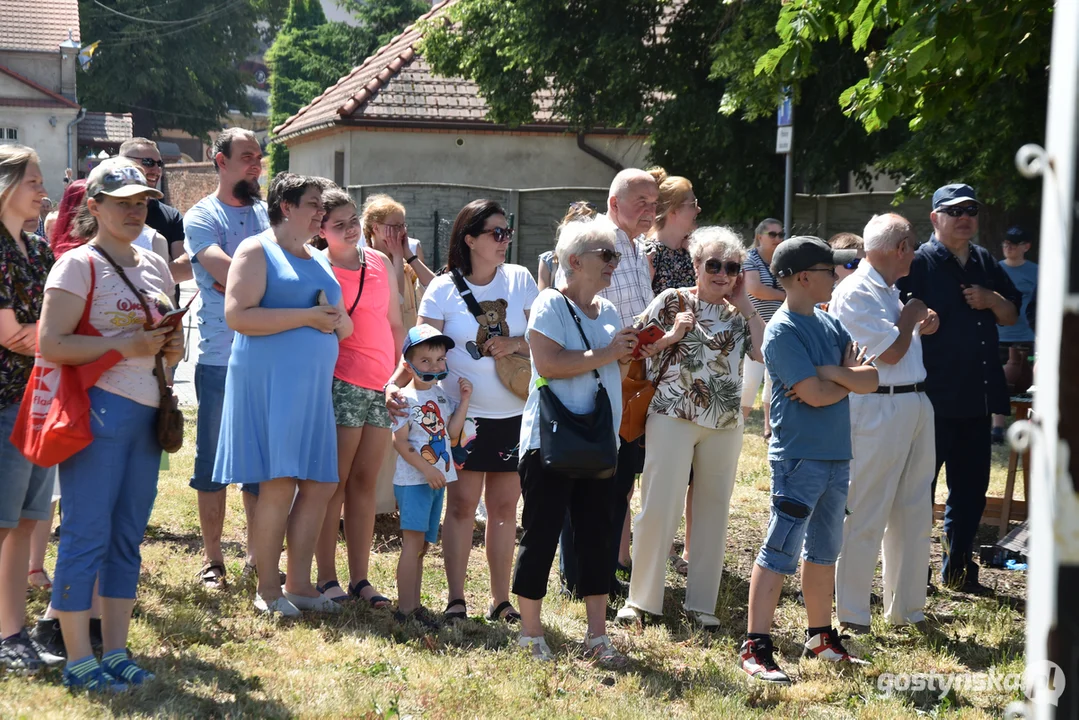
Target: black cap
point(953, 195)
point(803, 252)
point(1016, 235)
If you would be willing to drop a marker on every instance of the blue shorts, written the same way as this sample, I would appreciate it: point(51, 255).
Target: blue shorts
point(25, 488)
point(809, 502)
point(210, 394)
point(421, 509)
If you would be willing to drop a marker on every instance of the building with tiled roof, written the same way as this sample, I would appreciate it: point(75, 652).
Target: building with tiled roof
point(392, 120)
point(39, 43)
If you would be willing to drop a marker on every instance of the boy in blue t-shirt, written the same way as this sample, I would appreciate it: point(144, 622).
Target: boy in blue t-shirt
point(814, 365)
point(1024, 275)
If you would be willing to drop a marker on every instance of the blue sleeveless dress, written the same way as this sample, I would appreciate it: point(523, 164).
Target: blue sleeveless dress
point(278, 419)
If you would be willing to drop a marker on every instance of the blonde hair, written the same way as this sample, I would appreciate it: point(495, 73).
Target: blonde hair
point(846, 241)
point(578, 210)
point(673, 191)
point(376, 209)
point(14, 159)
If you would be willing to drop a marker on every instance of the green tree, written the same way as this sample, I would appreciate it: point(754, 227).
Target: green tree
point(385, 18)
point(183, 74)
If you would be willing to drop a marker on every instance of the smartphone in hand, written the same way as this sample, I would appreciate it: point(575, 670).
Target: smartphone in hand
point(173, 318)
point(321, 298)
point(649, 334)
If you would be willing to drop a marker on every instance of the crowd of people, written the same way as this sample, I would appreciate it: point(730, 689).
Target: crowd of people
point(331, 360)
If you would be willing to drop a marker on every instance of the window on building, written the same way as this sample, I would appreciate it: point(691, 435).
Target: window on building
point(9, 135)
point(339, 168)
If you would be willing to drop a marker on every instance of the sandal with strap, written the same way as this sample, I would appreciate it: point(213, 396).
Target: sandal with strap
point(44, 587)
point(213, 576)
point(505, 613)
point(340, 599)
point(679, 565)
point(454, 616)
point(602, 652)
point(377, 602)
point(250, 571)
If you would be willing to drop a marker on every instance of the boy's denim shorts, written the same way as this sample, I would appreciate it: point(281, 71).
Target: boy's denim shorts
point(809, 502)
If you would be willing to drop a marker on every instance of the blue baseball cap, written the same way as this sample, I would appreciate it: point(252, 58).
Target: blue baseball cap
point(421, 334)
point(953, 195)
point(1016, 235)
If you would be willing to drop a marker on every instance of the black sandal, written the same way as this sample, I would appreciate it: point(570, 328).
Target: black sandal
point(213, 576)
point(512, 617)
point(454, 616)
point(341, 599)
point(377, 601)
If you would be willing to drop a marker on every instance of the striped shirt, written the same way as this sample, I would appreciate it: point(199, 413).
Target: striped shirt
point(755, 263)
point(631, 284)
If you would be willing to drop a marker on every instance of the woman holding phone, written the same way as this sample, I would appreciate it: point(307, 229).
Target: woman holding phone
point(694, 423)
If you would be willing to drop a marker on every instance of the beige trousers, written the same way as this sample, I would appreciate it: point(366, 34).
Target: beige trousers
point(674, 446)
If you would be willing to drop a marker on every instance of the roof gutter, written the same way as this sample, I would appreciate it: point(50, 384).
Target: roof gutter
point(70, 151)
point(605, 159)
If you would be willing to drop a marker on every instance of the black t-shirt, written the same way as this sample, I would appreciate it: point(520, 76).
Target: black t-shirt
point(167, 220)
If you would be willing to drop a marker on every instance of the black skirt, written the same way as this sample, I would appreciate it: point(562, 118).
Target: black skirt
point(496, 445)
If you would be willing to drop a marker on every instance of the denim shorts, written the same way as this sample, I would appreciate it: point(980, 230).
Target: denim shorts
point(210, 394)
point(809, 502)
point(421, 508)
point(355, 406)
point(25, 488)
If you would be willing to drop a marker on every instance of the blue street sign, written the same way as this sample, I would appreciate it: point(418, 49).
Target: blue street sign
point(784, 115)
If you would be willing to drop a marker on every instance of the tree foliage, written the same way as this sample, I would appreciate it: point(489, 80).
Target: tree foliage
point(385, 18)
point(183, 75)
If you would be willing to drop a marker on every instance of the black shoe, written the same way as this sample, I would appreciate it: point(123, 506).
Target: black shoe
point(618, 589)
point(998, 436)
point(757, 660)
point(97, 641)
point(20, 654)
point(47, 635)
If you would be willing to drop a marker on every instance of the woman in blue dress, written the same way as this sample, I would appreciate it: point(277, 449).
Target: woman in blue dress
point(277, 426)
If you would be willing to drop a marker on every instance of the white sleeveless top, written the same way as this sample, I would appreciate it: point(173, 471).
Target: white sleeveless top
point(145, 240)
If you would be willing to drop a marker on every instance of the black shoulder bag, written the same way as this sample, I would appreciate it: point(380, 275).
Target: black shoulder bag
point(582, 447)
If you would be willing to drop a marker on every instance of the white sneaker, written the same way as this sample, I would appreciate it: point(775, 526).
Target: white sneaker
point(481, 513)
point(313, 604)
point(281, 606)
point(829, 646)
point(703, 620)
point(630, 615)
point(536, 647)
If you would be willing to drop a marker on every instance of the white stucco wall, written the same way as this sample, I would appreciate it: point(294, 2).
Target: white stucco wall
point(49, 142)
point(509, 161)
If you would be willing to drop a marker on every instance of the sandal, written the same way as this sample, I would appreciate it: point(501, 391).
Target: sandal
point(454, 616)
point(44, 587)
point(505, 613)
point(250, 571)
point(340, 599)
point(377, 601)
point(602, 652)
point(213, 576)
point(679, 565)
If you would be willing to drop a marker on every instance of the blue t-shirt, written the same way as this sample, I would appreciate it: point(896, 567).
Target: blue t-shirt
point(794, 345)
point(1025, 279)
point(212, 222)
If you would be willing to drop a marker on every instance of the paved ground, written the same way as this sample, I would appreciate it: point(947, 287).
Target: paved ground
point(183, 383)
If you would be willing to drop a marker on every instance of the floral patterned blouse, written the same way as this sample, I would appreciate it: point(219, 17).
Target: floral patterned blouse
point(674, 268)
point(22, 289)
point(703, 383)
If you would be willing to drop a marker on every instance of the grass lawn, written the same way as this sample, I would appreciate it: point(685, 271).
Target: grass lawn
point(215, 658)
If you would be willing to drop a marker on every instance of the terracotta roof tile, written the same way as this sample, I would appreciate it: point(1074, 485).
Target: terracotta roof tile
point(111, 128)
point(41, 27)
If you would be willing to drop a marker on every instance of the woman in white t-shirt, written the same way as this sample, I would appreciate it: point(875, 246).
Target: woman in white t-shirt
point(478, 244)
point(108, 487)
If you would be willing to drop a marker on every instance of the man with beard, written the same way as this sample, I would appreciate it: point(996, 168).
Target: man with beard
point(214, 228)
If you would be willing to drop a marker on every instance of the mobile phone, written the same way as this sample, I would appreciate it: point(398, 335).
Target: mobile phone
point(648, 335)
point(321, 298)
point(172, 318)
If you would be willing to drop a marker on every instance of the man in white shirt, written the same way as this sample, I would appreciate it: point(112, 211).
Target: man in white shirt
point(891, 476)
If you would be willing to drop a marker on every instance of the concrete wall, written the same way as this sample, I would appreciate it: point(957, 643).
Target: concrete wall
point(43, 68)
point(826, 215)
point(50, 142)
point(316, 157)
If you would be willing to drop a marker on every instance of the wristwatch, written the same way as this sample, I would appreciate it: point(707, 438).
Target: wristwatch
point(414, 257)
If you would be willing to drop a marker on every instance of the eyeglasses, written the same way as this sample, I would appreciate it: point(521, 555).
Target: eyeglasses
point(500, 234)
point(428, 377)
point(969, 211)
point(395, 229)
point(773, 234)
point(150, 162)
point(853, 264)
point(829, 270)
point(608, 256)
point(696, 205)
point(712, 267)
point(580, 205)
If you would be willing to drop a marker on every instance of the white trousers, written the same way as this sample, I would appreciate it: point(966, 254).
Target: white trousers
point(890, 500)
point(674, 446)
point(753, 373)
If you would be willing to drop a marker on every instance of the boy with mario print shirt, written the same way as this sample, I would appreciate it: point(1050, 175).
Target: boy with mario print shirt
point(423, 440)
point(814, 364)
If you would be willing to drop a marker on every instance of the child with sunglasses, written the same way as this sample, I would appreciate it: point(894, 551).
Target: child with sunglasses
point(423, 439)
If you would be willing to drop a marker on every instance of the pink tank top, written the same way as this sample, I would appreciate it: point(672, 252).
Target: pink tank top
point(367, 357)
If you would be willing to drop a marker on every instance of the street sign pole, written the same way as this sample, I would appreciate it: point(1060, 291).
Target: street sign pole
point(788, 191)
point(785, 145)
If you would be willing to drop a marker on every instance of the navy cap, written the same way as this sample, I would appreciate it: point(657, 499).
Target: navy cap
point(953, 195)
point(1016, 235)
point(800, 253)
point(422, 333)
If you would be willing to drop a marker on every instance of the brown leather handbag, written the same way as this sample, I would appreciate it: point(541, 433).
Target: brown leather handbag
point(638, 390)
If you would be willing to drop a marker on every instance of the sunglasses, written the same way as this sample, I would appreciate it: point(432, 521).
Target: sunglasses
point(853, 264)
point(428, 377)
point(150, 162)
point(773, 234)
point(579, 205)
point(500, 234)
point(607, 255)
point(712, 267)
point(969, 211)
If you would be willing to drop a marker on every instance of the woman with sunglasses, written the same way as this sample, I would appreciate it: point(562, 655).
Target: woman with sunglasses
point(477, 253)
point(847, 241)
point(694, 422)
point(767, 295)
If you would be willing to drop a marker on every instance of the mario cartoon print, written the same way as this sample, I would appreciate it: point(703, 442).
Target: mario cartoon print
point(430, 419)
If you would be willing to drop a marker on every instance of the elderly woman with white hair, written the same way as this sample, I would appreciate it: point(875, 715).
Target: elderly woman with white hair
point(573, 368)
point(694, 421)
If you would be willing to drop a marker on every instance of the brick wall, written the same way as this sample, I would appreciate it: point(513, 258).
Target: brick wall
point(187, 183)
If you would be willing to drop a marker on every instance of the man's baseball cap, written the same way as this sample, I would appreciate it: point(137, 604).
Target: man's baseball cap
point(953, 195)
point(119, 178)
point(802, 252)
point(421, 334)
point(1016, 235)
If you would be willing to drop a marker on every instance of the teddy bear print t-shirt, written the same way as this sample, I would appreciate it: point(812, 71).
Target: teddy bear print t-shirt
point(505, 301)
point(428, 417)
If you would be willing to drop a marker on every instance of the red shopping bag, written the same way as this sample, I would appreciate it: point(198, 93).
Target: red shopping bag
point(54, 419)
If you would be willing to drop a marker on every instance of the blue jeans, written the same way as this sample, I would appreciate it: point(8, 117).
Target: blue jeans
point(108, 492)
point(210, 394)
point(809, 502)
point(25, 488)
